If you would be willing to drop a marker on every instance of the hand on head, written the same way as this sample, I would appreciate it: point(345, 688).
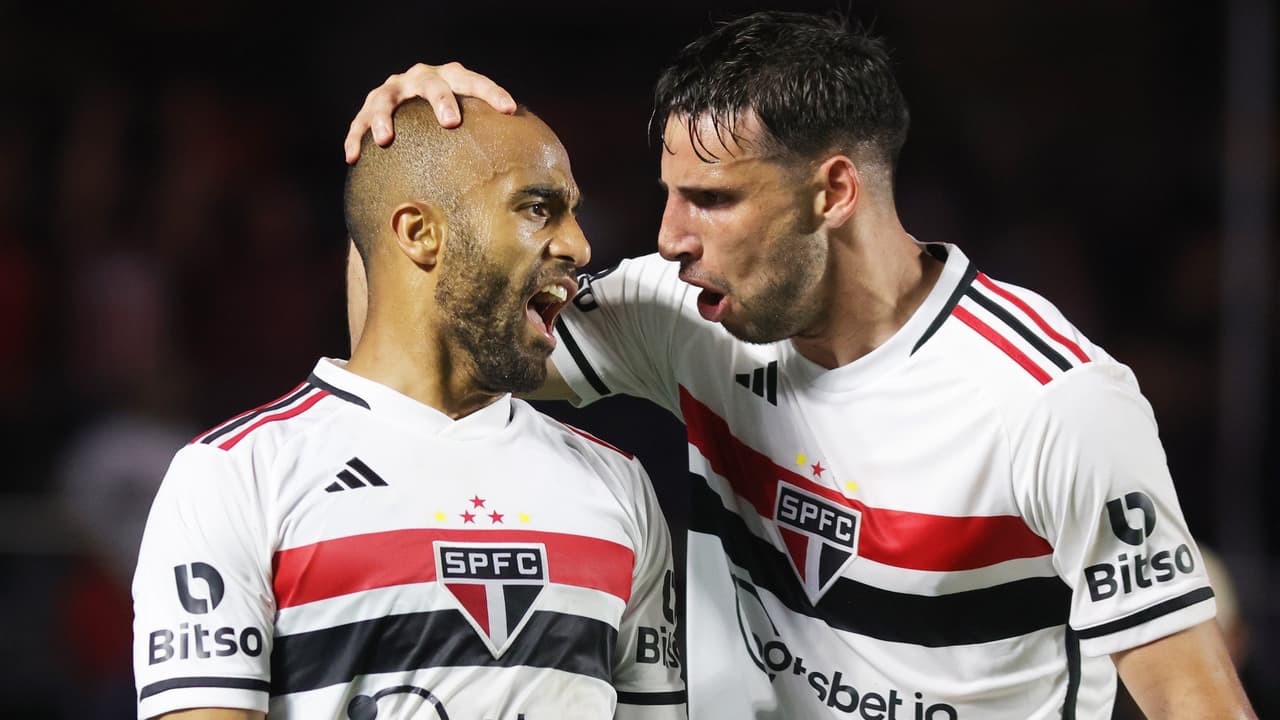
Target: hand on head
point(438, 85)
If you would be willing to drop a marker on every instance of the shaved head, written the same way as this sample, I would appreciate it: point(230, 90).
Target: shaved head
point(426, 163)
point(469, 240)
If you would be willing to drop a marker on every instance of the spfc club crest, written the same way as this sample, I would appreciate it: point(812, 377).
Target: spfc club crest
point(821, 536)
point(496, 584)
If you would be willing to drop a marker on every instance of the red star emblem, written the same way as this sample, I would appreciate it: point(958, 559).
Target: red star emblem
point(817, 469)
point(495, 516)
point(467, 517)
point(477, 501)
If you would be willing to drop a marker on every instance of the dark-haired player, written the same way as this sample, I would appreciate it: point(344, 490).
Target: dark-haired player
point(918, 493)
point(398, 537)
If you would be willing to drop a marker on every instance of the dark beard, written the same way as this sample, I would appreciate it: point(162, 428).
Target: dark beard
point(486, 317)
point(775, 312)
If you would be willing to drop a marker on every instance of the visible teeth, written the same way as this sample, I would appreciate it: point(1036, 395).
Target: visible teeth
point(556, 291)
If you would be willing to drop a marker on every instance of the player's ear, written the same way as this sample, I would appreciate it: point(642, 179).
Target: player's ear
point(419, 229)
point(839, 187)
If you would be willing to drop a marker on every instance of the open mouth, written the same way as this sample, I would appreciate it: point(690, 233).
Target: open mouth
point(713, 302)
point(546, 304)
point(711, 305)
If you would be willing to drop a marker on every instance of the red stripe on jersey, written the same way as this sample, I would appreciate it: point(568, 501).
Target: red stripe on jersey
point(598, 441)
point(283, 415)
point(400, 557)
point(1035, 316)
point(916, 541)
point(1003, 343)
point(248, 413)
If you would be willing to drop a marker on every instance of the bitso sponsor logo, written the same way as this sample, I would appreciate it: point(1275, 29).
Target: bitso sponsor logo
point(821, 537)
point(1119, 519)
point(197, 640)
point(833, 687)
point(496, 585)
point(194, 603)
point(657, 645)
point(1133, 571)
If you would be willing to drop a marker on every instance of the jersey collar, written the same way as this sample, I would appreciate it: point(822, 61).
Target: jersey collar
point(956, 275)
point(331, 374)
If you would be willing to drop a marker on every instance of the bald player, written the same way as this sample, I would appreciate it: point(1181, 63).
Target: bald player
point(397, 536)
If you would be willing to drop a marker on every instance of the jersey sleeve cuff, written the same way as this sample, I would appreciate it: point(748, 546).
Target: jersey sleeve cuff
point(1150, 624)
point(573, 366)
point(651, 705)
point(205, 692)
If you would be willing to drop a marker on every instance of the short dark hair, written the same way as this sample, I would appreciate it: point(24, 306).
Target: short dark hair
point(816, 83)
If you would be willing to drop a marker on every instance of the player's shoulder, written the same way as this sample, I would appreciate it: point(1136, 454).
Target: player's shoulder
point(1011, 340)
point(569, 436)
point(308, 406)
point(644, 280)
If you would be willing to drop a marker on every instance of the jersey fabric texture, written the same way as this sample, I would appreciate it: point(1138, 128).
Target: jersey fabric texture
point(963, 523)
point(347, 552)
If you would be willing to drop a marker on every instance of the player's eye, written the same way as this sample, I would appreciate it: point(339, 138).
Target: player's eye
point(708, 198)
point(539, 210)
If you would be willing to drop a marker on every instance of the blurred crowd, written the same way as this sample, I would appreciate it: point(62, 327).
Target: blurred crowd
point(171, 242)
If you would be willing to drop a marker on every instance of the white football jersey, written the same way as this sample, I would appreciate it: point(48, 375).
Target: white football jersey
point(346, 552)
point(961, 524)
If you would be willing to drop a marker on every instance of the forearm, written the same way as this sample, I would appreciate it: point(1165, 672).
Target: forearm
point(1185, 675)
point(214, 714)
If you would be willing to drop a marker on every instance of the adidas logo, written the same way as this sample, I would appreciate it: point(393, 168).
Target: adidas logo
point(762, 381)
point(356, 475)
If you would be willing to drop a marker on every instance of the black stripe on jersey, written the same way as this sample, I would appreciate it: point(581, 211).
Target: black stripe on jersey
point(359, 466)
point(334, 390)
point(965, 283)
point(1073, 675)
point(292, 398)
point(999, 612)
point(576, 353)
point(443, 638)
point(675, 697)
point(1144, 616)
point(1007, 317)
point(156, 688)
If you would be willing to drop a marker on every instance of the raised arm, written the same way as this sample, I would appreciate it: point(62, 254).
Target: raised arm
point(438, 84)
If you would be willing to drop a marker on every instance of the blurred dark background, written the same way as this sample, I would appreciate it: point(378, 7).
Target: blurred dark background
point(171, 241)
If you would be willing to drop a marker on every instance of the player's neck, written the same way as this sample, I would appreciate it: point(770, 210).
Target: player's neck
point(878, 278)
point(407, 356)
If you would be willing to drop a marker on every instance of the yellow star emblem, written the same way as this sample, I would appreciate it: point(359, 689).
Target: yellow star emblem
point(523, 517)
point(802, 459)
point(851, 486)
point(440, 517)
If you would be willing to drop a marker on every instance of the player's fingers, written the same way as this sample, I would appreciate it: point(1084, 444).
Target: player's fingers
point(425, 81)
point(351, 145)
point(473, 84)
point(379, 100)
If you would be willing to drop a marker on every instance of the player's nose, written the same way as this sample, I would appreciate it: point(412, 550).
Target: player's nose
point(570, 244)
point(677, 239)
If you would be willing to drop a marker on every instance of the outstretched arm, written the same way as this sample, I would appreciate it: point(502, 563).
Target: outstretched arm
point(438, 84)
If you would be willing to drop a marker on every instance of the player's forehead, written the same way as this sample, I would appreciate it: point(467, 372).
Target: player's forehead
point(736, 136)
point(704, 151)
point(521, 152)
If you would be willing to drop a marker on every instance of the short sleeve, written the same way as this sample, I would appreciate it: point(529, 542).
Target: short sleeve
point(1092, 478)
point(646, 672)
point(619, 334)
point(202, 597)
